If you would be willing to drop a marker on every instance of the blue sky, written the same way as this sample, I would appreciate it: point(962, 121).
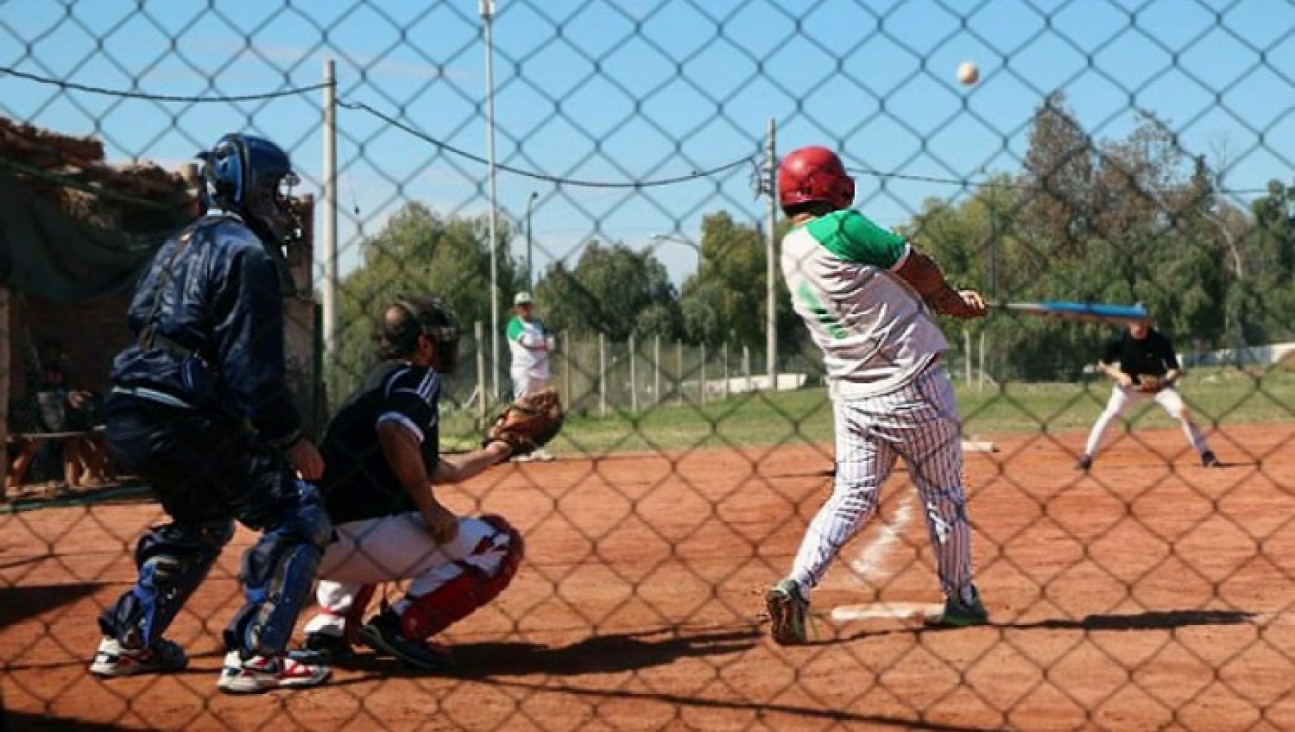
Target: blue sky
point(619, 91)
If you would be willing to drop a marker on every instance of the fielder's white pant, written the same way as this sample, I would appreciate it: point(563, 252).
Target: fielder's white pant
point(524, 384)
point(1169, 400)
point(919, 423)
point(394, 548)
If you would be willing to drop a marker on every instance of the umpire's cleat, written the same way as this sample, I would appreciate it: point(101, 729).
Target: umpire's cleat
point(788, 612)
point(323, 649)
point(959, 613)
point(114, 659)
point(266, 673)
point(1084, 463)
point(382, 633)
point(1208, 460)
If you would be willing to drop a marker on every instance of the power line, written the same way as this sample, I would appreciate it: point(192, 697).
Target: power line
point(62, 84)
point(360, 106)
point(584, 183)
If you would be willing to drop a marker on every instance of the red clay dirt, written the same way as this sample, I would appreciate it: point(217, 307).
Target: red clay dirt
point(1149, 593)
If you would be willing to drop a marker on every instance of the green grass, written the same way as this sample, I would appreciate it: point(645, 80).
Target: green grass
point(1216, 397)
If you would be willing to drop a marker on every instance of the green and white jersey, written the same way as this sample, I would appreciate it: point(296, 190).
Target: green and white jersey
point(875, 331)
point(529, 342)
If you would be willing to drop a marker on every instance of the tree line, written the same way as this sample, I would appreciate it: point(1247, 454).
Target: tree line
point(1135, 219)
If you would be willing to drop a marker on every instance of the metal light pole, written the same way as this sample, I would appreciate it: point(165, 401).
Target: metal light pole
point(530, 242)
point(329, 290)
point(771, 267)
point(487, 10)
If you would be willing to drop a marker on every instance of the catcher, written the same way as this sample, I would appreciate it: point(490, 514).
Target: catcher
point(1142, 363)
point(383, 460)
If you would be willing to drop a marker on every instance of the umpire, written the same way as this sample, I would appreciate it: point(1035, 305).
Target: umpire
point(200, 409)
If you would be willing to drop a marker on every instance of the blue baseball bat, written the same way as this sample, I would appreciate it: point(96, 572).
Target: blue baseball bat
point(1080, 311)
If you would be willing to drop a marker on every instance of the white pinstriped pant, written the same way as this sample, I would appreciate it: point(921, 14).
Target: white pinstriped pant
point(919, 423)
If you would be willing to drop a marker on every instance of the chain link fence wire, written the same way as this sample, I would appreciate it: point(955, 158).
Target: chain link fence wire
point(613, 158)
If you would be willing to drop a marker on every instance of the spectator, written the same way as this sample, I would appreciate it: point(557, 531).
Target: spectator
point(530, 344)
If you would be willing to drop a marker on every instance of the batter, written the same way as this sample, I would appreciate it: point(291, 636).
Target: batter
point(866, 296)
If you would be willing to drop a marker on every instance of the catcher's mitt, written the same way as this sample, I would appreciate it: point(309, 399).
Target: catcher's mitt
point(528, 423)
point(1149, 383)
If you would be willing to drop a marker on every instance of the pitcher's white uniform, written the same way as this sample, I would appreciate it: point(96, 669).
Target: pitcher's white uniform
point(529, 344)
point(891, 396)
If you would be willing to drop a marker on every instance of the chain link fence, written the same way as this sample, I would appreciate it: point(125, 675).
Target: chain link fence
point(616, 159)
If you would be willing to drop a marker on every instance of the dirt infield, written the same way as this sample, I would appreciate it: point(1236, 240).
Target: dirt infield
point(1150, 593)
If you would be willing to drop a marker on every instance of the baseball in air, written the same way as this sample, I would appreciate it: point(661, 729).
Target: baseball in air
point(968, 73)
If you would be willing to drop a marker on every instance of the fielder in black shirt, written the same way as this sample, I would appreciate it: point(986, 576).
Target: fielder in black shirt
point(1142, 364)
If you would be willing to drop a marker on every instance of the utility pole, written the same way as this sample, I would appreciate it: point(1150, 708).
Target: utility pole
point(330, 212)
point(771, 264)
point(487, 10)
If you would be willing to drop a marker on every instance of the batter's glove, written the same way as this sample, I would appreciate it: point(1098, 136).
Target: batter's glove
point(1150, 384)
point(528, 423)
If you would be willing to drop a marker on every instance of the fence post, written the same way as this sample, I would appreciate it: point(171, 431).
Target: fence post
point(566, 348)
point(602, 375)
point(966, 354)
point(656, 370)
point(727, 394)
point(982, 360)
point(701, 395)
point(634, 382)
point(746, 365)
point(678, 376)
point(478, 330)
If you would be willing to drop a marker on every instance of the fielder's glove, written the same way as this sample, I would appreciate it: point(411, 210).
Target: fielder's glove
point(528, 423)
point(1150, 384)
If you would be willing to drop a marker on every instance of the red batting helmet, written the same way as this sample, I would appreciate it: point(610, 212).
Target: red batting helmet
point(813, 174)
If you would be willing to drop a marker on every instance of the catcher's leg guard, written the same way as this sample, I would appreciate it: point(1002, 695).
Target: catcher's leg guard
point(435, 611)
point(173, 559)
point(277, 573)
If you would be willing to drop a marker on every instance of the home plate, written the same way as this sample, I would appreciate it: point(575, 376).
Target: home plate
point(978, 446)
point(900, 610)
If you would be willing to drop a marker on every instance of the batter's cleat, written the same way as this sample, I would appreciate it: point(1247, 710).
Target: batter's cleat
point(788, 612)
point(1208, 460)
point(257, 674)
point(382, 633)
point(323, 649)
point(1084, 463)
point(114, 659)
point(959, 613)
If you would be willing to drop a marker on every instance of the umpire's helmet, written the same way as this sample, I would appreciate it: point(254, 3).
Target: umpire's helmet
point(252, 177)
point(813, 175)
point(408, 318)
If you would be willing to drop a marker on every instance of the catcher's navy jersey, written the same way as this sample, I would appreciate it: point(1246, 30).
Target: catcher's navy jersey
point(358, 483)
point(1151, 355)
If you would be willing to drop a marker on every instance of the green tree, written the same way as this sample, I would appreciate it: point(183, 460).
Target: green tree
point(418, 252)
point(613, 290)
point(727, 301)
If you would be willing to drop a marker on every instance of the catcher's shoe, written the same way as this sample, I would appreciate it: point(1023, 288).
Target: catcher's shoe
point(114, 659)
point(323, 649)
point(959, 613)
point(543, 456)
point(1208, 460)
point(266, 673)
point(382, 633)
point(788, 612)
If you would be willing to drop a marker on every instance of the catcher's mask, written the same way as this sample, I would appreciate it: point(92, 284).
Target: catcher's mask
point(252, 177)
point(427, 316)
point(814, 175)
